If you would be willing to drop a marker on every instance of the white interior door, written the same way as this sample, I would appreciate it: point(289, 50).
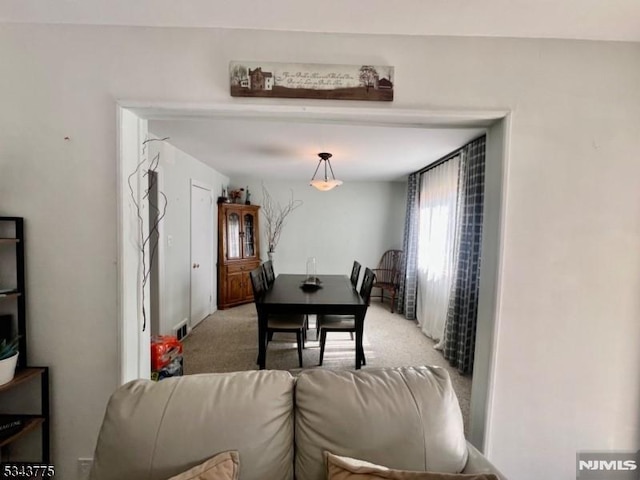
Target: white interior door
point(201, 252)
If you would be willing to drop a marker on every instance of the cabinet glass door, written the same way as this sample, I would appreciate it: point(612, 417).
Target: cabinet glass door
point(249, 237)
point(233, 235)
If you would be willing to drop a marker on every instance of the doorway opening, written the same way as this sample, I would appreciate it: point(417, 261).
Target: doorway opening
point(133, 127)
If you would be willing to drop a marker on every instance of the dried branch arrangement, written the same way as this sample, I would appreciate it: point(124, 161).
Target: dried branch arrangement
point(275, 215)
point(147, 244)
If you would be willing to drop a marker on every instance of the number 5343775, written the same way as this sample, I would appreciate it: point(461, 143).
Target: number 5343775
point(27, 470)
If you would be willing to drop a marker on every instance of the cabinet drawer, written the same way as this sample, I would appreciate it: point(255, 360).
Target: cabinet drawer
point(245, 267)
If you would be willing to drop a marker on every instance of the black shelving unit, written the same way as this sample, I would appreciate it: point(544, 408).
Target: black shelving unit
point(13, 322)
point(12, 235)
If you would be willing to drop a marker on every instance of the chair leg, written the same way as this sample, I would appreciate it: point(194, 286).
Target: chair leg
point(265, 357)
point(269, 336)
point(299, 346)
point(351, 335)
point(323, 339)
point(299, 338)
point(360, 352)
point(393, 300)
point(265, 350)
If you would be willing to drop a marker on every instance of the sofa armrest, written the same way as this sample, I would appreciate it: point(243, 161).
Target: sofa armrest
point(478, 463)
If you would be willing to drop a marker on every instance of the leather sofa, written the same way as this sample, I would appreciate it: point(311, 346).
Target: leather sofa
point(405, 418)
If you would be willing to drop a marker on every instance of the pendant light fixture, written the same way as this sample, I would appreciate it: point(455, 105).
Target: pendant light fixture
point(326, 184)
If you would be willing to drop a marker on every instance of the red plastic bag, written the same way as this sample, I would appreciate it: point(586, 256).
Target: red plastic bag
point(164, 349)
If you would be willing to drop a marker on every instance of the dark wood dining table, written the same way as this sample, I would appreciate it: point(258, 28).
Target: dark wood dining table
point(335, 297)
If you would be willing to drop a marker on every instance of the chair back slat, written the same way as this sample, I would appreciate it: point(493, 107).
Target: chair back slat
point(355, 273)
point(269, 274)
point(389, 268)
point(258, 283)
point(367, 285)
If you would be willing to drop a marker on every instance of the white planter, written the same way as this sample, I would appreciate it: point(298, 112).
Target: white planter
point(8, 369)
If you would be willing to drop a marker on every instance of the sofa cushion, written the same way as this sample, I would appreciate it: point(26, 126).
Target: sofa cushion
point(223, 466)
point(404, 418)
point(345, 468)
point(154, 430)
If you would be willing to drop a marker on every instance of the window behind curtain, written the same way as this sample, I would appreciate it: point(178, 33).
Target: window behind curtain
point(438, 204)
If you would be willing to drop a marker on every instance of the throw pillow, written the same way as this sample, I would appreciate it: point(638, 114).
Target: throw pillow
point(345, 468)
point(223, 466)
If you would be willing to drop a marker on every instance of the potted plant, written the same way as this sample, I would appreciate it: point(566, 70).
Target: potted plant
point(8, 359)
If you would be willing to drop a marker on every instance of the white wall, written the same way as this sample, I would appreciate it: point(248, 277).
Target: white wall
point(356, 221)
point(496, 155)
point(178, 169)
point(567, 366)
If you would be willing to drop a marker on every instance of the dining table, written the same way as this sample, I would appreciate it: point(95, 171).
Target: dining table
point(334, 295)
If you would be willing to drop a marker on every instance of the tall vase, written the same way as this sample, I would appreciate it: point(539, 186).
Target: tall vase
point(271, 255)
point(311, 270)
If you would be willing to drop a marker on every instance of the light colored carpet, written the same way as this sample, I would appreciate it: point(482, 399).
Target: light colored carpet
point(227, 341)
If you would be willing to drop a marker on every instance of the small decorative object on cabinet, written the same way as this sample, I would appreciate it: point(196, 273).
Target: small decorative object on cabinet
point(21, 392)
point(236, 195)
point(238, 252)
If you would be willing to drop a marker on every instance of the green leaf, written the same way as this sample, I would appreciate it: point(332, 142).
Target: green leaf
point(9, 349)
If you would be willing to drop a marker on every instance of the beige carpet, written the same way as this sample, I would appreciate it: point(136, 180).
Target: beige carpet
point(227, 341)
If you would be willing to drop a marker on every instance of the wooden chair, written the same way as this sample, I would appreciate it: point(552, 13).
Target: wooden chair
point(388, 275)
point(355, 273)
point(269, 274)
point(345, 323)
point(278, 323)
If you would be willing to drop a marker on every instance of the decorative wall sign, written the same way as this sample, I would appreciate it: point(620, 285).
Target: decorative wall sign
point(311, 80)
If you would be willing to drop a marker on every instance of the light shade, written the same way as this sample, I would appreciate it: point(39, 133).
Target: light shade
point(326, 183)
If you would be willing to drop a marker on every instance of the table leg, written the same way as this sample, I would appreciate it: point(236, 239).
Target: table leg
point(359, 334)
point(262, 339)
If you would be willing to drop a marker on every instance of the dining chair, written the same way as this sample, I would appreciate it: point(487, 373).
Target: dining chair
point(278, 323)
point(269, 274)
point(345, 323)
point(388, 274)
point(355, 273)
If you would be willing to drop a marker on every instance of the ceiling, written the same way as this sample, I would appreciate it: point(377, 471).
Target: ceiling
point(287, 150)
point(568, 19)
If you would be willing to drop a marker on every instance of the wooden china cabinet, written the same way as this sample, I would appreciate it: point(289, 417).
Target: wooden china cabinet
point(238, 252)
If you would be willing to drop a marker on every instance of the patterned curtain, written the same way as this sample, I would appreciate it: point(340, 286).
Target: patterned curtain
point(460, 330)
point(406, 300)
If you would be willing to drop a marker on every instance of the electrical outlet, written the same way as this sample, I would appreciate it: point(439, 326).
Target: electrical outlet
point(84, 467)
